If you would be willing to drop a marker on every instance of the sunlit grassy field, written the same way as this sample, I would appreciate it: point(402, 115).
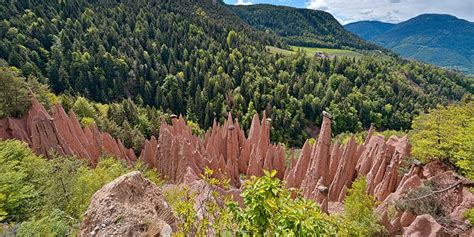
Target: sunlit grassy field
point(276, 50)
point(311, 51)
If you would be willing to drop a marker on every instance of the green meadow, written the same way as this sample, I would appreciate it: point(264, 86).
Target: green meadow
point(312, 51)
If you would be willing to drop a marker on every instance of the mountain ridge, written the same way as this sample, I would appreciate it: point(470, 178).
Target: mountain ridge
point(301, 27)
point(439, 39)
point(369, 29)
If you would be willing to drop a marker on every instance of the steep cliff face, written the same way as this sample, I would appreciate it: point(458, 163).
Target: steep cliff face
point(62, 133)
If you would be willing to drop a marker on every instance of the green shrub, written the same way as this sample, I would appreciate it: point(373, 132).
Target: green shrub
point(87, 181)
point(469, 215)
point(71, 183)
point(14, 93)
point(359, 211)
point(49, 197)
point(343, 138)
point(430, 204)
point(270, 210)
point(216, 216)
point(86, 121)
point(197, 131)
point(57, 223)
point(18, 190)
point(182, 202)
point(83, 108)
point(14, 99)
point(3, 213)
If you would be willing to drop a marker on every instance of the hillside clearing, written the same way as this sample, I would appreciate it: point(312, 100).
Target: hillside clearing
point(312, 51)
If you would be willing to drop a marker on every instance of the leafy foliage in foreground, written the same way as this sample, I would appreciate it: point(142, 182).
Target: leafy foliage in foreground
point(359, 210)
point(48, 197)
point(17, 189)
point(446, 133)
point(270, 210)
point(213, 215)
point(199, 60)
point(469, 215)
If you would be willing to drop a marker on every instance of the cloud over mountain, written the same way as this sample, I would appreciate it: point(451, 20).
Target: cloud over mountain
point(244, 2)
point(391, 10)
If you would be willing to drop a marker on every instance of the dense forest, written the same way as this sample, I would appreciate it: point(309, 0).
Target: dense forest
point(302, 27)
point(202, 61)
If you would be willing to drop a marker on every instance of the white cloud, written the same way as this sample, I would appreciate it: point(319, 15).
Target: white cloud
point(391, 10)
point(244, 2)
point(317, 5)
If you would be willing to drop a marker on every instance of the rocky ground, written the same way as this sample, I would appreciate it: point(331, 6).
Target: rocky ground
point(129, 206)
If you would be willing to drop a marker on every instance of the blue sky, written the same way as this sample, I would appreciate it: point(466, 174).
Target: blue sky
point(383, 10)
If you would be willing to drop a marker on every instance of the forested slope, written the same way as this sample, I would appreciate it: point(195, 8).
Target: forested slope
point(198, 59)
point(302, 27)
point(442, 40)
point(369, 30)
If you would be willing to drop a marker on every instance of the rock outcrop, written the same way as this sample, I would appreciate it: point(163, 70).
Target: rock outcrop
point(128, 206)
point(325, 171)
point(224, 149)
point(62, 133)
point(448, 194)
point(424, 226)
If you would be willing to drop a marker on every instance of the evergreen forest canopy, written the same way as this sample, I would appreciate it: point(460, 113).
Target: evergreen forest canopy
point(302, 27)
point(199, 59)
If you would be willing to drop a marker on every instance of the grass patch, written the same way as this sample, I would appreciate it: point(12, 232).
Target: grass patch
point(312, 51)
point(276, 50)
point(331, 52)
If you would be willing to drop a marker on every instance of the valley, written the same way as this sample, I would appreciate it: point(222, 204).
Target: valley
point(198, 118)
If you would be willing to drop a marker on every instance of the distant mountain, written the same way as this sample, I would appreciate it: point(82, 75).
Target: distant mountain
point(302, 27)
point(369, 29)
point(442, 40)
